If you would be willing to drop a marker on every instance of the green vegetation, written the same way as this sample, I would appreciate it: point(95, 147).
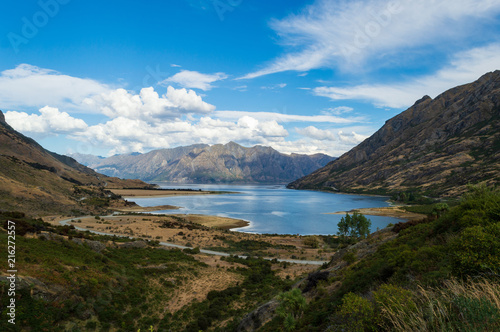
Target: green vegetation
point(78, 285)
point(292, 305)
point(248, 247)
point(259, 285)
point(356, 226)
point(438, 274)
point(441, 274)
point(88, 288)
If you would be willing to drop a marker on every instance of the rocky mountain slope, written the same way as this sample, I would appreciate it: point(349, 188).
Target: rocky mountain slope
point(436, 147)
point(35, 180)
point(229, 163)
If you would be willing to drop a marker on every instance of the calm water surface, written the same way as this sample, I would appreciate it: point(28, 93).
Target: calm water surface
point(272, 209)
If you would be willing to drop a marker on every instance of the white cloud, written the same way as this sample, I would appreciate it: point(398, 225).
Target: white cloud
point(123, 135)
point(50, 122)
point(465, 67)
point(148, 104)
point(194, 79)
point(347, 33)
point(31, 86)
point(316, 133)
point(283, 118)
point(275, 86)
point(337, 110)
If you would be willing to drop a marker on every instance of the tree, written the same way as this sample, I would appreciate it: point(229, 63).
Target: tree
point(355, 226)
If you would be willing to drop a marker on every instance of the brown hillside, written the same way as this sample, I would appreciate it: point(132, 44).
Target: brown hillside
point(437, 147)
point(35, 180)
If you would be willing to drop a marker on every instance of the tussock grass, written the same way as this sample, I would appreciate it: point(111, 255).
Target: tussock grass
point(472, 305)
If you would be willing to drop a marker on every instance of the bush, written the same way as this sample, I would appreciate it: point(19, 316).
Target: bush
point(355, 314)
point(477, 250)
point(312, 241)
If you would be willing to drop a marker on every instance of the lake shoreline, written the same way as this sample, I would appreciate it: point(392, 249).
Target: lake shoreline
point(391, 211)
point(265, 209)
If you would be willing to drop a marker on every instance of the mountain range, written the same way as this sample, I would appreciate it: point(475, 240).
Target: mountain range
point(436, 147)
point(200, 163)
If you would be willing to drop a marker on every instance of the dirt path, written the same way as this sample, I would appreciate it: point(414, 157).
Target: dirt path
point(129, 223)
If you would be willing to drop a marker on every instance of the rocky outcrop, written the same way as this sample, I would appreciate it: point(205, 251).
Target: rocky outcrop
point(257, 318)
point(436, 147)
point(228, 163)
point(2, 117)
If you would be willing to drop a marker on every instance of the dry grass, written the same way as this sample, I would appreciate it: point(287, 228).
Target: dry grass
point(457, 306)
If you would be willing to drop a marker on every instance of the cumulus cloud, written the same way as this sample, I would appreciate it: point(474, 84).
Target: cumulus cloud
point(124, 135)
point(51, 121)
point(347, 33)
point(148, 104)
point(31, 86)
point(465, 67)
point(194, 80)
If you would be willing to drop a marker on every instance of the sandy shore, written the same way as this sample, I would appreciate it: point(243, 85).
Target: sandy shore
point(140, 209)
point(391, 211)
point(144, 193)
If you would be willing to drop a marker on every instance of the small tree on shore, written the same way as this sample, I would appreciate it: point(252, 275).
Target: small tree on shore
point(355, 226)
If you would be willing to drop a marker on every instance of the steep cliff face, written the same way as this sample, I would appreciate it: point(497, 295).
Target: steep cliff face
point(437, 146)
point(228, 163)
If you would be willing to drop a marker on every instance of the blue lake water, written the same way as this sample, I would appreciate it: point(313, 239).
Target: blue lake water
point(272, 209)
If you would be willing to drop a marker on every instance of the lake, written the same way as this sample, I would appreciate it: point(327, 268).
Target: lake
point(272, 209)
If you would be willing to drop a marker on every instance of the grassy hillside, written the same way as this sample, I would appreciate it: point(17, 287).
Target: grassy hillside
point(439, 274)
point(74, 281)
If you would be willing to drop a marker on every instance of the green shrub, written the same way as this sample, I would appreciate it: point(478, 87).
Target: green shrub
point(355, 314)
point(477, 250)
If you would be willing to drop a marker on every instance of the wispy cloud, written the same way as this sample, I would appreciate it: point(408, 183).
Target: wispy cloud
point(284, 118)
point(274, 87)
point(194, 80)
point(346, 33)
point(465, 67)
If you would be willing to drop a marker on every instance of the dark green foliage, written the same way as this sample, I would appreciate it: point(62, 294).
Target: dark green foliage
point(480, 314)
point(355, 314)
point(411, 197)
point(292, 304)
point(248, 246)
point(477, 250)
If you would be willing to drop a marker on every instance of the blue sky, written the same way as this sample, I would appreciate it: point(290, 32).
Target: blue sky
point(113, 77)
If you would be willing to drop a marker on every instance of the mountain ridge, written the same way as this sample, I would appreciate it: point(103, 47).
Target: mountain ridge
point(437, 146)
point(36, 180)
point(219, 163)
